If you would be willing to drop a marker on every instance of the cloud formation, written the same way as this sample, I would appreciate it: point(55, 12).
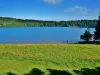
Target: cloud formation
point(76, 9)
point(52, 1)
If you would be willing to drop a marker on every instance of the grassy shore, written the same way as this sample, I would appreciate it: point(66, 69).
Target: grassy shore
point(21, 58)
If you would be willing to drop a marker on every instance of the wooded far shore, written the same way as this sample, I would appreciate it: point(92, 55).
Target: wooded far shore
point(8, 22)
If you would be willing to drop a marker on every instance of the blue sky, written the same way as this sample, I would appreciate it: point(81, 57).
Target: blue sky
point(50, 9)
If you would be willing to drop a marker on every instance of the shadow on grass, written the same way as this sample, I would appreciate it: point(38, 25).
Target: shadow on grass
point(83, 71)
point(9, 73)
point(87, 71)
point(58, 72)
point(35, 71)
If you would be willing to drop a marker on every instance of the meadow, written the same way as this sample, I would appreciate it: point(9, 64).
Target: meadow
point(21, 58)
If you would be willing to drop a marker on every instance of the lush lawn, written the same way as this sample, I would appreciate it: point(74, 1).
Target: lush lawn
point(21, 58)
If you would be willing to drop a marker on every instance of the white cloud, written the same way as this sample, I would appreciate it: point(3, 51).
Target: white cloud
point(76, 9)
point(53, 1)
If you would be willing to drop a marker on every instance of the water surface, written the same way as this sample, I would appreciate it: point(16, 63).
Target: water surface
point(41, 35)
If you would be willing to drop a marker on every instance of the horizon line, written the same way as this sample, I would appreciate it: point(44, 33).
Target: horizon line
point(43, 20)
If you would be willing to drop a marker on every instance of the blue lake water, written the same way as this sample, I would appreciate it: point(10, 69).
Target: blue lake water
point(41, 35)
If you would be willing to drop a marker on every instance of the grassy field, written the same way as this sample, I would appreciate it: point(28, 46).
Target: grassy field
point(21, 58)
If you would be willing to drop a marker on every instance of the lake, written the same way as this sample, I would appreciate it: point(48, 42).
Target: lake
point(41, 35)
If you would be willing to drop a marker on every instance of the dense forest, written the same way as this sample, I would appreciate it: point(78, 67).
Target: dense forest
point(14, 22)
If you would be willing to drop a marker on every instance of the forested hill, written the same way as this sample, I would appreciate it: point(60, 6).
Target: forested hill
point(13, 22)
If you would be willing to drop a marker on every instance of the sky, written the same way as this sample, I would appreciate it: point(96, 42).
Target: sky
point(57, 10)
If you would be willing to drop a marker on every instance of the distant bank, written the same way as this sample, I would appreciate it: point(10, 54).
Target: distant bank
point(6, 22)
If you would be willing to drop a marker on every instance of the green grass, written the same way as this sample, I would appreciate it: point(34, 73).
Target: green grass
point(21, 58)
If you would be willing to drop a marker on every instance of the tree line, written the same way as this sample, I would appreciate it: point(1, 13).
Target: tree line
point(14, 22)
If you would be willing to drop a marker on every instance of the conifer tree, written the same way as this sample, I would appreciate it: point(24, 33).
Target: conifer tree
point(86, 35)
point(97, 30)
